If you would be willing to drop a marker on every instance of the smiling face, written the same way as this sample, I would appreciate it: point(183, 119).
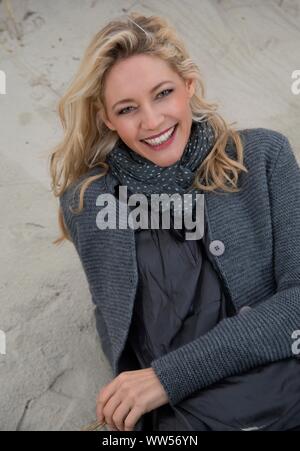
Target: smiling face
point(148, 111)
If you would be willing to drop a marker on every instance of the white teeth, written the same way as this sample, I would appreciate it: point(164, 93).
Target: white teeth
point(161, 139)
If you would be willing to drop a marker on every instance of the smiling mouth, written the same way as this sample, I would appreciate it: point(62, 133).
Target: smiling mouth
point(156, 141)
point(160, 134)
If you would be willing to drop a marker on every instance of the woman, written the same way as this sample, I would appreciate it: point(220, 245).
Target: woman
point(198, 332)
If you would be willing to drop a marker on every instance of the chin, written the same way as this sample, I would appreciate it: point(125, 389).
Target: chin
point(169, 161)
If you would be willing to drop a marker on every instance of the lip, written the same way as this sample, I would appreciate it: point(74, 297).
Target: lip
point(164, 145)
point(157, 136)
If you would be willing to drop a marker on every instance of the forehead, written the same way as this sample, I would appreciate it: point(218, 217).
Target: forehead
point(137, 74)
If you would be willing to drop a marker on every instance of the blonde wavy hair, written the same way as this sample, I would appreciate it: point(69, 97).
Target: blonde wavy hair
point(87, 140)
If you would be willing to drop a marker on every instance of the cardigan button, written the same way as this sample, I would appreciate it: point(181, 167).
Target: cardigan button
point(245, 309)
point(217, 248)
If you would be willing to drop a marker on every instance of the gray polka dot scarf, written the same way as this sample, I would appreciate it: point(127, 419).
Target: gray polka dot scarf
point(140, 175)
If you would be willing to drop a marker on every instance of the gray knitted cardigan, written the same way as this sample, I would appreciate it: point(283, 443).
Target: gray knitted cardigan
point(260, 268)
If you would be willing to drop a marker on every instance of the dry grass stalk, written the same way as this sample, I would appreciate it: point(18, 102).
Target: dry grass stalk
point(11, 18)
point(95, 426)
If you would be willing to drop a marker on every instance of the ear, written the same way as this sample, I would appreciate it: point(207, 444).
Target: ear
point(190, 86)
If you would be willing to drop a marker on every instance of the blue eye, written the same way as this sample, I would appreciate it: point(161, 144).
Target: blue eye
point(123, 111)
point(166, 90)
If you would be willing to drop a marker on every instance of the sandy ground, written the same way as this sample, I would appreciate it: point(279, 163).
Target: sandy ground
point(246, 50)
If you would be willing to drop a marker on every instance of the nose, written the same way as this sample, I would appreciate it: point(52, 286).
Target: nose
point(151, 119)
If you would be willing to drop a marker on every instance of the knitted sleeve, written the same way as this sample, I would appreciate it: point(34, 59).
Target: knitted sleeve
point(264, 333)
point(67, 201)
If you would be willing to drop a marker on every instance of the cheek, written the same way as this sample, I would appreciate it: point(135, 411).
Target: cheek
point(125, 131)
point(129, 134)
point(179, 104)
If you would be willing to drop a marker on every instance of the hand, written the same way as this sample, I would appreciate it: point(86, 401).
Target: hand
point(126, 398)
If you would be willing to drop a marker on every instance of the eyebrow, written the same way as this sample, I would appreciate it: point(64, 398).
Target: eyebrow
point(151, 91)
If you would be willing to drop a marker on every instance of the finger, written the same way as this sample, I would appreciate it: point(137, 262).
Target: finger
point(132, 418)
point(109, 410)
point(105, 393)
point(99, 412)
point(110, 427)
point(103, 397)
point(120, 414)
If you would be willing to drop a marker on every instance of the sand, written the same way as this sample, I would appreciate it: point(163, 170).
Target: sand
point(247, 51)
